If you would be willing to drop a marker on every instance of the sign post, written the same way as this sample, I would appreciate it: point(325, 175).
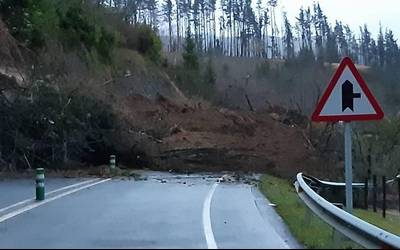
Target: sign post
point(348, 167)
point(347, 98)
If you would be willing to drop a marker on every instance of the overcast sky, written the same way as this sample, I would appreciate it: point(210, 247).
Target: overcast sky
point(353, 12)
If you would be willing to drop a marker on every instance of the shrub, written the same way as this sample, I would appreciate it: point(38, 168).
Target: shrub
point(263, 69)
point(209, 80)
point(29, 21)
point(143, 39)
point(33, 22)
point(48, 127)
point(78, 29)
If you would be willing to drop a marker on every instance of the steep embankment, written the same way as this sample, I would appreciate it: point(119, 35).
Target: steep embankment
point(195, 137)
point(156, 126)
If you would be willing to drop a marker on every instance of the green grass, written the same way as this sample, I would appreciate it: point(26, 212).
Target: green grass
point(391, 223)
point(309, 230)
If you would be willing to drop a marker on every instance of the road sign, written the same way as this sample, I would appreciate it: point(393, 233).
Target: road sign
point(347, 98)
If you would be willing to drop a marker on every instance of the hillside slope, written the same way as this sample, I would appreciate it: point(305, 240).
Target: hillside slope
point(155, 125)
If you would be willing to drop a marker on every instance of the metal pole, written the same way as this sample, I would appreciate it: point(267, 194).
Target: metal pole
point(384, 196)
point(366, 194)
point(348, 167)
point(374, 181)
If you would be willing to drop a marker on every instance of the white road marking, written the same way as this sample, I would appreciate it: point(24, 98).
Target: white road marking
point(211, 244)
point(32, 206)
point(48, 193)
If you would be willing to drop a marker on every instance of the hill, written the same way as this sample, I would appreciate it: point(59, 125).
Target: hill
point(71, 106)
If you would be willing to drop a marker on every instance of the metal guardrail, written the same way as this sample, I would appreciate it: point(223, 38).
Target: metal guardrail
point(356, 229)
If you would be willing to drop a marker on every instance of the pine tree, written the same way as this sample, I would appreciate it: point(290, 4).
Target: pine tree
point(320, 27)
point(288, 38)
point(265, 34)
point(301, 28)
point(168, 12)
point(365, 44)
point(374, 58)
point(308, 21)
point(274, 44)
point(190, 58)
point(332, 54)
point(178, 23)
point(341, 39)
point(196, 22)
point(391, 49)
point(212, 8)
point(381, 47)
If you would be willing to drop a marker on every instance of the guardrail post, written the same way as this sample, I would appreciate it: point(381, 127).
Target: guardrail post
point(398, 190)
point(375, 192)
point(40, 191)
point(337, 238)
point(307, 218)
point(384, 196)
point(366, 194)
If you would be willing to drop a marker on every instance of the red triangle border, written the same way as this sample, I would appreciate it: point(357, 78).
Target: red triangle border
point(347, 118)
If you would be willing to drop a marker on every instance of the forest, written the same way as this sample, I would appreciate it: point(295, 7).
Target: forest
point(249, 28)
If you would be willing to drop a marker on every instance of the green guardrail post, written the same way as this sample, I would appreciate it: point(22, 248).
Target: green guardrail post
point(112, 163)
point(40, 184)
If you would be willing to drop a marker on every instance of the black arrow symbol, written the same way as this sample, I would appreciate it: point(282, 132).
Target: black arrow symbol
point(348, 96)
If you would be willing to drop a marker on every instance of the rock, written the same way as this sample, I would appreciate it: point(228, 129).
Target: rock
point(275, 116)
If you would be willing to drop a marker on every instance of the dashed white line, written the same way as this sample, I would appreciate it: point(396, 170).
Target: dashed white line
point(48, 193)
point(208, 232)
point(30, 207)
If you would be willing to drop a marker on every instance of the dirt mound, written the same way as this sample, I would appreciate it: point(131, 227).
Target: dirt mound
point(197, 137)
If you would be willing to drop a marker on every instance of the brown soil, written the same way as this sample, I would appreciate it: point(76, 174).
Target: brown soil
point(198, 137)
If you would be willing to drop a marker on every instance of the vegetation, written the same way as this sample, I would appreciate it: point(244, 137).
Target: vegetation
point(78, 26)
point(190, 57)
point(143, 39)
point(196, 80)
point(391, 223)
point(236, 28)
point(51, 121)
point(46, 127)
point(376, 149)
point(309, 230)
point(249, 28)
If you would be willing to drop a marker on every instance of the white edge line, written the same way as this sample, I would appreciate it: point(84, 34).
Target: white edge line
point(208, 232)
point(49, 193)
point(30, 207)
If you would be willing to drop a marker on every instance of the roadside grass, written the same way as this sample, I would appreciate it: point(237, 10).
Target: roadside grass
point(391, 223)
point(307, 228)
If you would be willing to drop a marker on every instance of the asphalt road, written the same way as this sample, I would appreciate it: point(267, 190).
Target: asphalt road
point(163, 211)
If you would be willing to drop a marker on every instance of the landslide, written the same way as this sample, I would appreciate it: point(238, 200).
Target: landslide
point(158, 127)
point(194, 136)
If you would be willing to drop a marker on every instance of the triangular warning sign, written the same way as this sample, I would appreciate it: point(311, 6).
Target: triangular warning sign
point(347, 98)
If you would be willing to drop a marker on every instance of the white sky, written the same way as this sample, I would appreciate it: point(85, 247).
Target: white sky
point(355, 13)
point(352, 12)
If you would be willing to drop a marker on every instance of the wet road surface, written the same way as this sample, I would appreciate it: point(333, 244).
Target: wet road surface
point(161, 211)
